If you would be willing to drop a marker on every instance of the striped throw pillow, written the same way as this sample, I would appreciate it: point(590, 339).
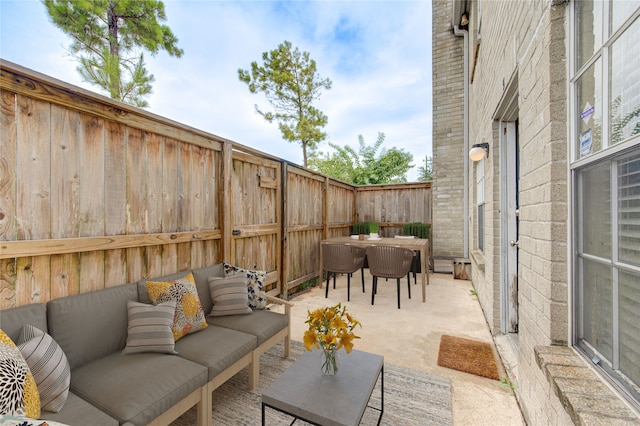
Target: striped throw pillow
point(149, 328)
point(49, 367)
point(229, 296)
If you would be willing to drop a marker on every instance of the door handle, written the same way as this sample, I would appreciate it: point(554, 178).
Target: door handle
point(513, 243)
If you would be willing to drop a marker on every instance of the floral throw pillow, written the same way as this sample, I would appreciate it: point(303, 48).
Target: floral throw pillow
point(18, 390)
point(189, 316)
point(257, 297)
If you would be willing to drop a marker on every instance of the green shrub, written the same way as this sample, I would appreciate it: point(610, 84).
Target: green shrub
point(364, 228)
point(416, 229)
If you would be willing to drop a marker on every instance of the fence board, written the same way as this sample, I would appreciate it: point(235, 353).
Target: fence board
point(64, 275)
point(65, 182)
point(33, 169)
point(8, 136)
point(92, 177)
point(136, 184)
point(154, 181)
point(115, 202)
point(184, 187)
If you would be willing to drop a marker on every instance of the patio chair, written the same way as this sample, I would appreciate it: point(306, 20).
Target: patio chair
point(389, 262)
point(343, 259)
point(416, 266)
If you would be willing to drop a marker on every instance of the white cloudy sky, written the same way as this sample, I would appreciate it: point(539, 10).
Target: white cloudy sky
point(377, 54)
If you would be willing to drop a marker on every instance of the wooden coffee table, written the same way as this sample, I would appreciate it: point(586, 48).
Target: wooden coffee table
point(304, 393)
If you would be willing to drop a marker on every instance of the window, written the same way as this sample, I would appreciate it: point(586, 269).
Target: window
point(605, 95)
point(480, 202)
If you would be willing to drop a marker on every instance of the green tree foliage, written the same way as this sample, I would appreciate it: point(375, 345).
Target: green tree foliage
point(364, 167)
point(289, 81)
point(425, 172)
point(108, 38)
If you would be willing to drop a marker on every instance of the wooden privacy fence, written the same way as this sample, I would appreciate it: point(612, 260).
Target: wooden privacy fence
point(96, 193)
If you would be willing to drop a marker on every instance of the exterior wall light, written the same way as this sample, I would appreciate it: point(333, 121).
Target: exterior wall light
point(478, 151)
point(464, 20)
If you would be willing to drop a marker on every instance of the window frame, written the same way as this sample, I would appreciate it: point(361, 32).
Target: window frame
point(611, 153)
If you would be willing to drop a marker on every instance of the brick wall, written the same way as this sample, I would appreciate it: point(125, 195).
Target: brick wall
point(448, 134)
point(524, 43)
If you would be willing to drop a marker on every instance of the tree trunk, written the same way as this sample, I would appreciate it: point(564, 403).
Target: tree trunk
point(113, 69)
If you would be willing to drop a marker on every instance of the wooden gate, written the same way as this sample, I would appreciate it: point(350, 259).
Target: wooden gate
point(255, 215)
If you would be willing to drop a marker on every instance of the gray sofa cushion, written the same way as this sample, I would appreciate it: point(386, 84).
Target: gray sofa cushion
point(201, 276)
point(78, 412)
point(261, 323)
point(91, 325)
point(137, 388)
point(216, 347)
point(12, 319)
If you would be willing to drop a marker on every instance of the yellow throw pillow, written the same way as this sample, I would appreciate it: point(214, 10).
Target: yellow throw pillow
point(18, 390)
point(189, 316)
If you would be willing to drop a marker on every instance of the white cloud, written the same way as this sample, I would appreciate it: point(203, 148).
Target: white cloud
point(377, 54)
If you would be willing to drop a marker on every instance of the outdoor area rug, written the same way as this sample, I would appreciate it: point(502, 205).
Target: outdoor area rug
point(470, 356)
point(411, 398)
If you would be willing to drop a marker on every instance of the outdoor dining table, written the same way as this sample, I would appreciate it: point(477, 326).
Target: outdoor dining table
point(415, 244)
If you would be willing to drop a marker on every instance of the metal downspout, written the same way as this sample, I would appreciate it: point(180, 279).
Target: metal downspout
point(465, 155)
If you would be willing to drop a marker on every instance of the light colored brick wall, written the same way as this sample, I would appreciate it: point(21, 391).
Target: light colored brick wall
point(448, 134)
point(526, 41)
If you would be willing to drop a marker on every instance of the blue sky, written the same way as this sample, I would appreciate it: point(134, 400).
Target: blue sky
point(376, 53)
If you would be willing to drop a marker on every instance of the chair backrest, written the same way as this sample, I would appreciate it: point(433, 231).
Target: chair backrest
point(389, 261)
point(342, 258)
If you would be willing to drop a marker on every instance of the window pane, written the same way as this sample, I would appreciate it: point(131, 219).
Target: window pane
point(629, 300)
point(624, 92)
point(588, 30)
point(589, 107)
point(481, 227)
point(621, 11)
point(629, 210)
point(596, 210)
point(597, 316)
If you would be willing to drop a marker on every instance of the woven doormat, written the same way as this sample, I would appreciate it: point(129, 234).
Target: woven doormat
point(470, 356)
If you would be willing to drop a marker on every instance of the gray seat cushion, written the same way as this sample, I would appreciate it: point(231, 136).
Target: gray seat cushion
point(91, 325)
point(137, 388)
point(261, 323)
point(78, 412)
point(12, 319)
point(216, 348)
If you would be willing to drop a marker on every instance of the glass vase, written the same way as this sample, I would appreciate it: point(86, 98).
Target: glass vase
point(329, 362)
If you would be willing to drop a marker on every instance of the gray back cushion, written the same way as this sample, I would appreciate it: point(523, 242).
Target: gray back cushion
point(92, 325)
point(201, 276)
point(12, 320)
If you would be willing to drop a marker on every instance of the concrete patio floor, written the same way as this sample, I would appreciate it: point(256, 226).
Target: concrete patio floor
point(410, 336)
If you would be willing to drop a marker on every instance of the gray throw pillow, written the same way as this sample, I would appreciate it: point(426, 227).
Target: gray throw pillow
point(49, 366)
point(229, 296)
point(149, 328)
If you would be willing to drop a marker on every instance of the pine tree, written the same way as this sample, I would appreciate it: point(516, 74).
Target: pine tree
point(108, 40)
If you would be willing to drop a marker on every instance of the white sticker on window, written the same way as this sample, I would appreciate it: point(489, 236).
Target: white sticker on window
point(587, 112)
point(585, 143)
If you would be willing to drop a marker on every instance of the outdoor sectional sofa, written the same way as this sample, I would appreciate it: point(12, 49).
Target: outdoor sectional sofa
point(110, 388)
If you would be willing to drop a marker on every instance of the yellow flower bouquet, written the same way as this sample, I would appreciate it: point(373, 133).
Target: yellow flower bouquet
point(330, 329)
